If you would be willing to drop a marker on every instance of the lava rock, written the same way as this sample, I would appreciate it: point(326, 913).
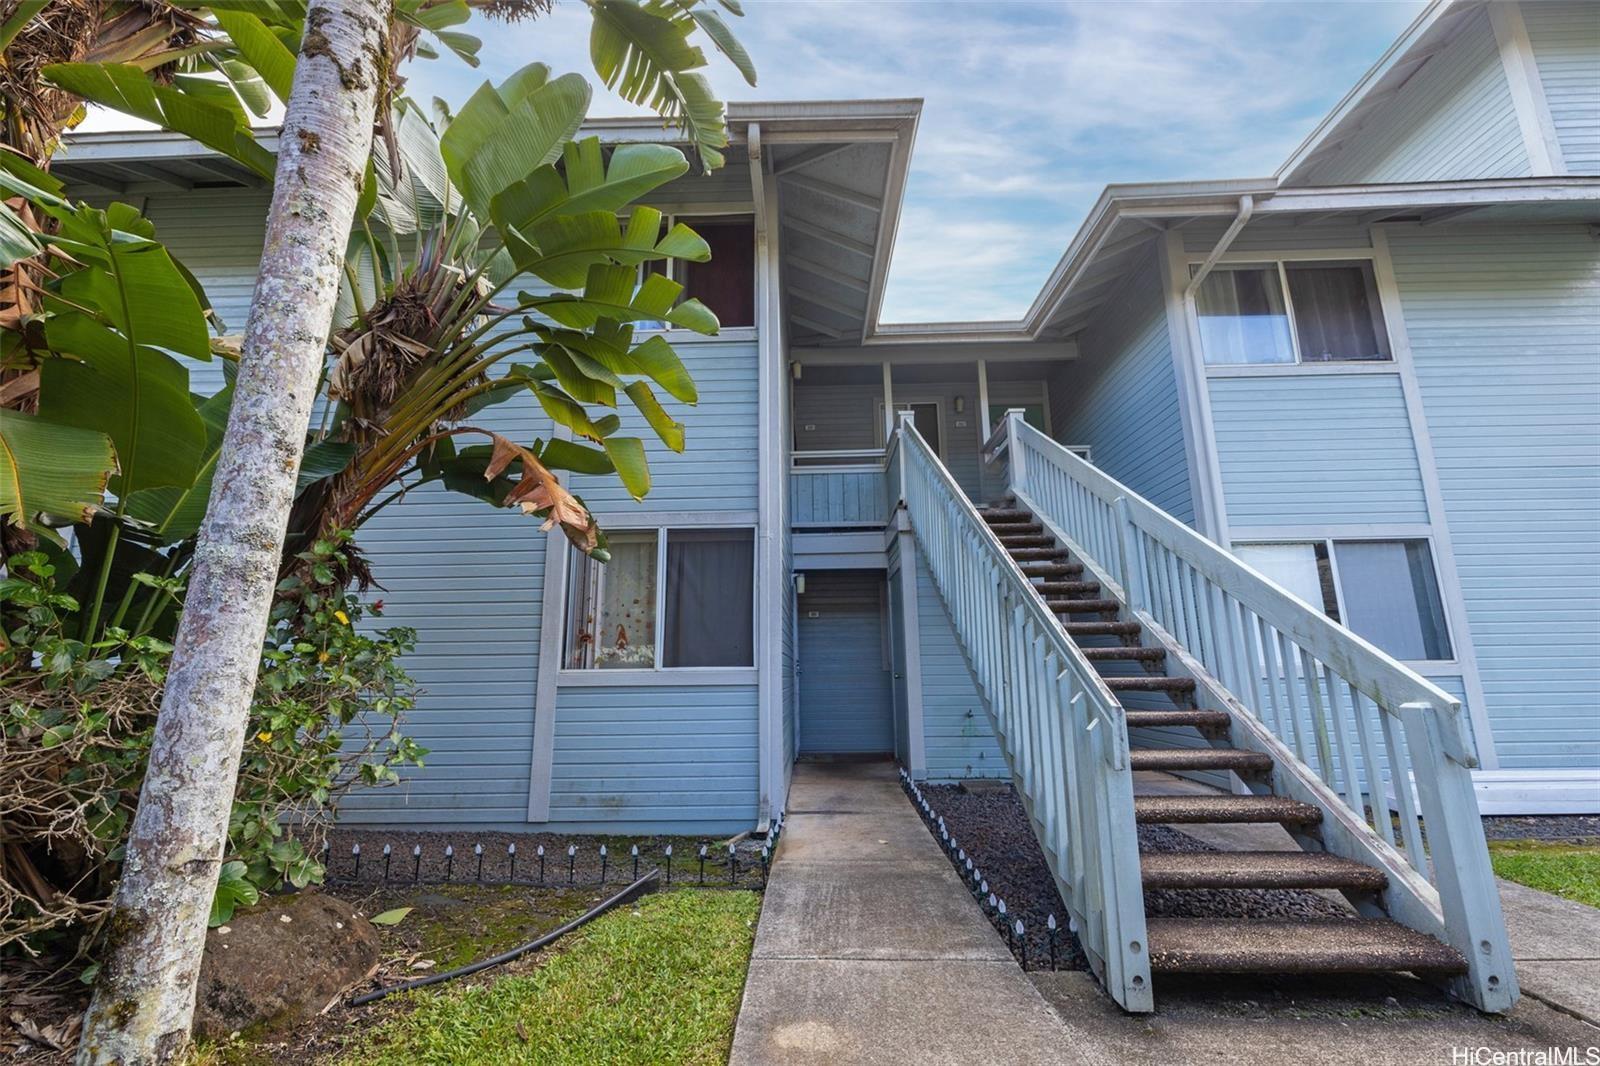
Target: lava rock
point(281, 962)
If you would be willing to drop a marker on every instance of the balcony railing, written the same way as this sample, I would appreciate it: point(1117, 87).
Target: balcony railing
point(838, 489)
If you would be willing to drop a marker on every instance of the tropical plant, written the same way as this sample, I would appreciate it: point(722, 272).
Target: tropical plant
point(76, 730)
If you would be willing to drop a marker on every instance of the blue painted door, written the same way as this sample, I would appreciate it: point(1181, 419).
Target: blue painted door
point(845, 696)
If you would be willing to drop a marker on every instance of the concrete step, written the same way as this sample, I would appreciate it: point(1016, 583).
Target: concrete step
point(1365, 945)
point(1147, 655)
point(1258, 869)
point(1037, 555)
point(1224, 810)
point(1150, 683)
point(1101, 629)
point(1179, 759)
point(1085, 606)
point(1196, 719)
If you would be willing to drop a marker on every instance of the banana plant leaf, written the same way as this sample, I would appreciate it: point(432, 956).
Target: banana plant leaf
point(501, 135)
point(124, 87)
point(51, 469)
point(587, 181)
point(610, 292)
point(561, 248)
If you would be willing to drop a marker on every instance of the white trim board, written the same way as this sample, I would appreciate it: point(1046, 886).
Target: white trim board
point(1537, 791)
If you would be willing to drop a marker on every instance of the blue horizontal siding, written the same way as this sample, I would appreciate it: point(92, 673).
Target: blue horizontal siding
point(836, 498)
point(679, 758)
point(1452, 120)
point(1315, 449)
point(1566, 48)
point(717, 468)
point(1120, 397)
point(1504, 323)
point(470, 580)
point(958, 739)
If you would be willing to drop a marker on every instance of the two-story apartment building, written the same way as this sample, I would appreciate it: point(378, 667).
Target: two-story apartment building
point(1374, 375)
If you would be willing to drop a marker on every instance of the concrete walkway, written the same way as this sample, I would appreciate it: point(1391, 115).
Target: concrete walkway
point(871, 951)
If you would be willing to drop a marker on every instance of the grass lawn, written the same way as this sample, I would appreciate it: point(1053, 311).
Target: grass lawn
point(655, 982)
point(1571, 871)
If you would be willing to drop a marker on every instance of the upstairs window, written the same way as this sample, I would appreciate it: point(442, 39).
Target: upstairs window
point(727, 283)
point(1291, 312)
point(668, 599)
point(1385, 590)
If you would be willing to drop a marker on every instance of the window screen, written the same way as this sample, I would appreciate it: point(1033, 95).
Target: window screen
point(1243, 318)
point(709, 619)
point(1336, 314)
point(1392, 597)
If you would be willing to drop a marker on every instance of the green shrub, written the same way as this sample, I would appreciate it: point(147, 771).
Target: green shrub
point(77, 719)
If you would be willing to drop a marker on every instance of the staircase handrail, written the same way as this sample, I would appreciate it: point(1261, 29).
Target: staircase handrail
point(1302, 684)
point(1063, 733)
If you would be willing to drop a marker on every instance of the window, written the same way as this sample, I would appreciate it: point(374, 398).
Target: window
point(1032, 414)
point(727, 283)
point(1305, 312)
point(668, 599)
point(1386, 590)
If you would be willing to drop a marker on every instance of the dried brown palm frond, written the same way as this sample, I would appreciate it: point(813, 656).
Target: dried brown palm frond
point(151, 34)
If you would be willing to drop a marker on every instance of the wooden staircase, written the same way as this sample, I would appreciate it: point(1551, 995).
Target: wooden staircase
point(1135, 673)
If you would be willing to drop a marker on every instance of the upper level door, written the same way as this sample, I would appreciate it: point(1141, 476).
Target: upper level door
point(929, 418)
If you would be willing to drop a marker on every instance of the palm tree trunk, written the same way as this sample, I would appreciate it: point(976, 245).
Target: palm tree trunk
point(144, 1002)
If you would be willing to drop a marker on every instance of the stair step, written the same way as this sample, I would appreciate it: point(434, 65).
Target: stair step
point(1149, 683)
point(1366, 945)
point(1148, 655)
point(1042, 555)
point(1258, 869)
point(1082, 606)
point(1068, 588)
point(1199, 759)
point(1026, 540)
point(1047, 570)
point(1101, 629)
point(1224, 810)
point(998, 516)
point(1197, 719)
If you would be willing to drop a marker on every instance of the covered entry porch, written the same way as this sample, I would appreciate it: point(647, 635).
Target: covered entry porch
point(843, 405)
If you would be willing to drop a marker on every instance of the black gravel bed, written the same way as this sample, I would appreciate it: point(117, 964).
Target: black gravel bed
point(990, 825)
point(1580, 828)
point(461, 866)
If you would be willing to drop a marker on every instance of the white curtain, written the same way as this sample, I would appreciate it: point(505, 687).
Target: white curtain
point(1242, 317)
point(1333, 313)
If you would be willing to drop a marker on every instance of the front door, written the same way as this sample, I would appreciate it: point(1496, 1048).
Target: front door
point(925, 414)
point(845, 696)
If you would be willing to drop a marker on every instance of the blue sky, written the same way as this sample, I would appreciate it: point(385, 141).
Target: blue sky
point(1030, 108)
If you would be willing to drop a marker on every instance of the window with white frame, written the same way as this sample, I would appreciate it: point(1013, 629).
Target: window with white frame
point(727, 283)
point(1292, 312)
point(668, 599)
point(1385, 590)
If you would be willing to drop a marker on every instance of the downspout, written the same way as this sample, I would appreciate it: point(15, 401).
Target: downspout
point(770, 480)
point(1247, 207)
